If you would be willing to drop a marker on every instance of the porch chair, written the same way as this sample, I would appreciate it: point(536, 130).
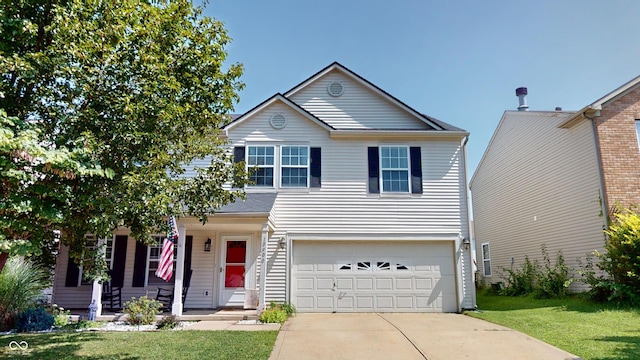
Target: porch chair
point(111, 296)
point(165, 296)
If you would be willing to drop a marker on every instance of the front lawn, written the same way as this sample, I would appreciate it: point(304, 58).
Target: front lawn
point(588, 330)
point(183, 344)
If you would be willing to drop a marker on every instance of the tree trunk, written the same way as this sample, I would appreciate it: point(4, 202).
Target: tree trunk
point(3, 259)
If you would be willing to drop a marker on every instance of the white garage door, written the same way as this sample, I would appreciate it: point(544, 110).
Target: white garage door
point(364, 276)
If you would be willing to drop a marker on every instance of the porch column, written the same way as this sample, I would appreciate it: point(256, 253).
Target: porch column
point(96, 287)
point(176, 309)
point(96, 296)
point(263, 267)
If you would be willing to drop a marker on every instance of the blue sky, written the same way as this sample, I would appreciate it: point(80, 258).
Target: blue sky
point(458, 61)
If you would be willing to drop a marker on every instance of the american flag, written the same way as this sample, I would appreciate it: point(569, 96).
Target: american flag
point(165, 266)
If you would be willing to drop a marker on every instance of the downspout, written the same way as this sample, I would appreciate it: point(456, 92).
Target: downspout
point(472, 290)
point(603, 198)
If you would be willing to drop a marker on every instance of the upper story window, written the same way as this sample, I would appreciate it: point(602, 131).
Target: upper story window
point(295, 166)
point(394, 166)
point(395, 169)
point(263, 158)
point(283, 166)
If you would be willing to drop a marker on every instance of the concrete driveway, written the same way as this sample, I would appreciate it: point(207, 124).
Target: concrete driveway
point(405, 336)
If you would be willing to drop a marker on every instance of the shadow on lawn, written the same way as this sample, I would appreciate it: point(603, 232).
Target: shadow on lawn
point(51, 346)
point(629, 347)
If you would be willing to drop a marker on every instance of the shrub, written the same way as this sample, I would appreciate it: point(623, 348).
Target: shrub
point(142, 311)
point(21, 283)
point(34, 319)
point(521, 281)
point(601, 288)
point(168, 322)
point(554, 281)
point(274, 314)
point(289, 309)
point(60, 315)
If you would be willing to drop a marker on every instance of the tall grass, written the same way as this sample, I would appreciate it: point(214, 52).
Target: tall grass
point(21, 284)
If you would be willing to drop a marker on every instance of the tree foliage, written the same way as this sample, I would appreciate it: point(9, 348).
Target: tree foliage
point(138, 90)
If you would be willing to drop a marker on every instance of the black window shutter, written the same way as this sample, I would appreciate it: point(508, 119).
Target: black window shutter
point(73, 272)
point(316, 167)
point(139, 265)
point(416, 170)
point(119, 258)
point(374, 170)
point(188, 248)
point(238, 154)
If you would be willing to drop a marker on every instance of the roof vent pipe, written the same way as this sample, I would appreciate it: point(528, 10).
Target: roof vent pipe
point(521, 93)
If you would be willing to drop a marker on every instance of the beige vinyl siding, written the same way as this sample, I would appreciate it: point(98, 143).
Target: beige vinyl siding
point(347, 111)
point(76, 297)
point(537, 184)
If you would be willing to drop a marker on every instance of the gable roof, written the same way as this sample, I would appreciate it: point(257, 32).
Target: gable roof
point(603, 101)
point(524, 116)
point(436, 125)
point(278, 97)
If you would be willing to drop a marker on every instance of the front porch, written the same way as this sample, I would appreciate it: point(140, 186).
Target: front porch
point(189, 315)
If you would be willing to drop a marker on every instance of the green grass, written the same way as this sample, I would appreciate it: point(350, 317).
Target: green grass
point(182, 344)
point(589, 330)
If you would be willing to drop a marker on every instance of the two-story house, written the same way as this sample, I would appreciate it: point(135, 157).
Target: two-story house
point(358, 204)
point(552, 178)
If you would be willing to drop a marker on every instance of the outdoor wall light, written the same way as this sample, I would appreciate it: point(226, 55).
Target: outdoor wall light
point(207, 245)
point(467, 243)
point(282, 243)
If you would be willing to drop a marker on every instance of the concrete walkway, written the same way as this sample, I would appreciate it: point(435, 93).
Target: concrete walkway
point(405, 336)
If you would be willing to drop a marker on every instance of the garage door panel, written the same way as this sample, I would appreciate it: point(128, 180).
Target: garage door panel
point(344, 284)
point(324, 302)
point(305, 283)
point(384, 284)
point(364, 302)
point(373, 276)
point(384, 302)
point(404, 284)
point(364, 284)
point(324, 284)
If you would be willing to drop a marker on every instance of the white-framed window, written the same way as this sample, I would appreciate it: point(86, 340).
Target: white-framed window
point(638, 131)
point(92, 244)
point(294, 163)
point(486, 259)
point(153, 259)
point(263, 159)
point(394, 168)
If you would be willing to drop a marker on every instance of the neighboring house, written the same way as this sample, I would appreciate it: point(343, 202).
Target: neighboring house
point(552, 177)
point(359, 204)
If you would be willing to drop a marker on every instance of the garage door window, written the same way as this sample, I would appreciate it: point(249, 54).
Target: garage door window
point(365, 265)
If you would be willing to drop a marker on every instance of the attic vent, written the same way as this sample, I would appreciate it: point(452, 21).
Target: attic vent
point(335, 88)
point(278, 121)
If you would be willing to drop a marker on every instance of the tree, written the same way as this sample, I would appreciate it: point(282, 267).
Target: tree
point(142, 85)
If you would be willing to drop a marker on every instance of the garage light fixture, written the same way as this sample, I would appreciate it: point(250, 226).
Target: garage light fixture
point(282, 243)
point(467, 243)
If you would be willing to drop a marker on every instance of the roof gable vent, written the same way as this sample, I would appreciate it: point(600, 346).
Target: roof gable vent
point(278, 121)
point(335, 88)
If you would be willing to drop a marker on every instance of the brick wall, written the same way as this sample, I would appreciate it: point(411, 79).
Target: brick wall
point(620, 154)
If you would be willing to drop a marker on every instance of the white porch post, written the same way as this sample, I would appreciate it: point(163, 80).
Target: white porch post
point(96, 287)
point(176, 309)
point(96, 296)
point(263, 267)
